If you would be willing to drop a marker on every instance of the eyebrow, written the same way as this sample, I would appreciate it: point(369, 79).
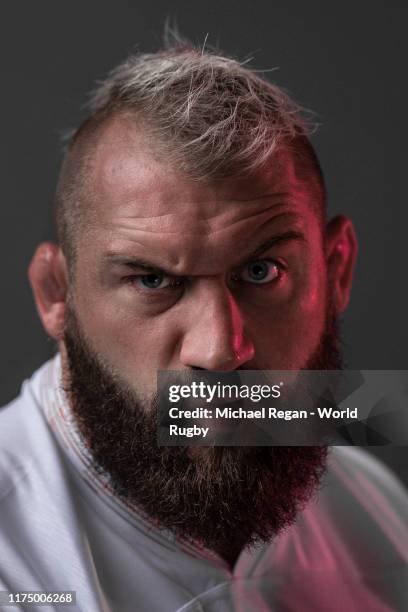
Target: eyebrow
point(136, 263)
point(291, 236)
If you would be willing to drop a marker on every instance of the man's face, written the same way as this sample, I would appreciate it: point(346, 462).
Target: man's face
point(175, 274)
point(172, 274)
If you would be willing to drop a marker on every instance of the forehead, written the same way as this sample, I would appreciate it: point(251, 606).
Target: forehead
point(135, 193)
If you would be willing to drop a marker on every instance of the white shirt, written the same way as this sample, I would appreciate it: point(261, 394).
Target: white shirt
point(61, 528)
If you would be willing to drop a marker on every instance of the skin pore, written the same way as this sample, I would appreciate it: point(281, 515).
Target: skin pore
point(174, 274)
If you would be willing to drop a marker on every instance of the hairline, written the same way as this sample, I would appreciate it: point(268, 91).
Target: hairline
point(93, 128)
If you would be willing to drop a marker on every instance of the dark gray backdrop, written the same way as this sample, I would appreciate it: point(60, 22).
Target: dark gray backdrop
point(347, 61)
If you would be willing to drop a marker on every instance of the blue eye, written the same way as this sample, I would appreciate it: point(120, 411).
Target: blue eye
point(260, 271)
point(154, 281)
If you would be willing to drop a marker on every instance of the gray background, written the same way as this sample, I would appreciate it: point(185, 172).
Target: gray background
point(347, 61)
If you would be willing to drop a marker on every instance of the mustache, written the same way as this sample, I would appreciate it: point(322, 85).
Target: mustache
point(215, 495)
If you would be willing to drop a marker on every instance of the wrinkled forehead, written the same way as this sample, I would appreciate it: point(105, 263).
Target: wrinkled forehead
point(135, 192)
point(140, 206)
point(129, 178)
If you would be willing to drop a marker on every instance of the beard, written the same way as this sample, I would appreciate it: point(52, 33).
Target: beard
point(223, 498)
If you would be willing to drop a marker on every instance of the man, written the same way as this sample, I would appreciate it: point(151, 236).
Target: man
point(192, 236)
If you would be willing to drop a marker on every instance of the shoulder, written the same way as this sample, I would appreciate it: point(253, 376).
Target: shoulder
point(360, 515)
point(358, 519)
point(366, 482)
point(350, 542)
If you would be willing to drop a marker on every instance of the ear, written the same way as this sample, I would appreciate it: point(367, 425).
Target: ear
point(48, 276)
point(341, 254)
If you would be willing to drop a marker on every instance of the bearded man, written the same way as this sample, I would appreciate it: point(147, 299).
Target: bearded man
point(191, 215)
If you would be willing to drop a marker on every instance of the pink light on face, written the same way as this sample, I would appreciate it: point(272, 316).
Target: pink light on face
point(202, 235)
point(215, 338)
point(244, 349)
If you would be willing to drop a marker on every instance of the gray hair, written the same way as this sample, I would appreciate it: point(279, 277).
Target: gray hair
point(213, 116)
point(210, 115)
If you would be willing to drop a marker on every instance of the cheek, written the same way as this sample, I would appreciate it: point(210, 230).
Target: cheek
point(291, 329)
point(132, 345)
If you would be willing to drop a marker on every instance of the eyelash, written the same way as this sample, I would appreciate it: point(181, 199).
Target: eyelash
point(177, 284)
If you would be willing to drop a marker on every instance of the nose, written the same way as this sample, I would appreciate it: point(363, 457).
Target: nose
point(214, 337)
